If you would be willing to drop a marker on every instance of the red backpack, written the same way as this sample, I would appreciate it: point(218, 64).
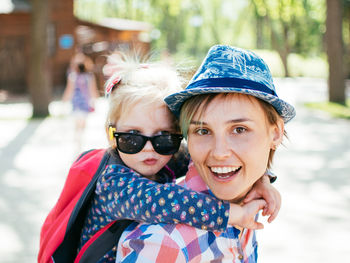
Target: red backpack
point(60, 233)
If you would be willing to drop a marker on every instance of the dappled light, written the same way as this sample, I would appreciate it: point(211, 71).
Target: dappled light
point(313, 170)
point(35, 158)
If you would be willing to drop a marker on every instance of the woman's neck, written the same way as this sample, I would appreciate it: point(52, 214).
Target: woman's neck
point(239, 199)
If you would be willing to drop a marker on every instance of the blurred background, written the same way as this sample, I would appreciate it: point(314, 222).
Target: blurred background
point(306, 44)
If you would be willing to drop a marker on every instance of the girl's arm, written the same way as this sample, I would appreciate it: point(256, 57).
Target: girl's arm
point(122, 193)
point(263, 189)
point(68, 92)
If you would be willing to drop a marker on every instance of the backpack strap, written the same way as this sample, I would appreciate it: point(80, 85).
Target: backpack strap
point(102, 242)
point(67, 250)
point(105, 239)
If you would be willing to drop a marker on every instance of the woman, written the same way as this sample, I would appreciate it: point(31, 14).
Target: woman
point(233, 121)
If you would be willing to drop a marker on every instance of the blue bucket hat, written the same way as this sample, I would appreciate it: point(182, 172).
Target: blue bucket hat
point(229, 69)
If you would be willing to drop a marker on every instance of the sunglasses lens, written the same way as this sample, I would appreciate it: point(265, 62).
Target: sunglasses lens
point(130, 143)
point(133, 143)
point(167, 144)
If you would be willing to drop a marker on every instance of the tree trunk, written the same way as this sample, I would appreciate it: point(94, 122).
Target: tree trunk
point(259, 31)
point(215, 7)
point(280, 43)
point(39, 74)
point(284, 58)
point(282, 49)
point(334, 42)
point(259, 20)
point(347, 51)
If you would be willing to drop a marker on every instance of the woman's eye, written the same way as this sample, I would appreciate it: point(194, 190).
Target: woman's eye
point(239, 130)
point(202, 131)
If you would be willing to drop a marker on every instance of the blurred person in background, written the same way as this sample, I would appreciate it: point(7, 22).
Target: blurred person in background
point(81, 91)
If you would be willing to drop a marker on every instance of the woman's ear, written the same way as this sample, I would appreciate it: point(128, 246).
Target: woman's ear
point(277, 134)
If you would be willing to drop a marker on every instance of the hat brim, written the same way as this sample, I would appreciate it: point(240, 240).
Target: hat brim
point(176, 100)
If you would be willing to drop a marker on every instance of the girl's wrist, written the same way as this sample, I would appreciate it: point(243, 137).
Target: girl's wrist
point(235, 214)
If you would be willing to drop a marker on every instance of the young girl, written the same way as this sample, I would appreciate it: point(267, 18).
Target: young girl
point(144, 135)
point(81, 90)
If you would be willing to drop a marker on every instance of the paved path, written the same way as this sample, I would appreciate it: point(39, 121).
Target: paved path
point(314, 179)
point(313, 176)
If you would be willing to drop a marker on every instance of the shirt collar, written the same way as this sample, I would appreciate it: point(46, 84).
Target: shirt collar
point(194, 181)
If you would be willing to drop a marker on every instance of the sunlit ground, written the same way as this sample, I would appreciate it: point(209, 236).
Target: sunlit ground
point(313, 177)
point(35, 157)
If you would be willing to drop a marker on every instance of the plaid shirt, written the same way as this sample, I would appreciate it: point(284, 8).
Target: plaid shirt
point(146, 243)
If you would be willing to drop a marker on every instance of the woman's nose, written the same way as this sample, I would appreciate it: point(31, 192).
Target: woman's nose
point(220, 148)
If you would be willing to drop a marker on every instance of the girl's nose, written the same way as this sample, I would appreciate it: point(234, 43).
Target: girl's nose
point(148, 146)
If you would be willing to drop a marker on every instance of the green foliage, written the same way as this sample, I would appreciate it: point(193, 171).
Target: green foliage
point(88, 10)
point(297, 25)
point(191, 27)
point(336, 110)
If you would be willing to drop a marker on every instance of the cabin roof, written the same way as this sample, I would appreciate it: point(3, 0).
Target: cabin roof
point(124, 24)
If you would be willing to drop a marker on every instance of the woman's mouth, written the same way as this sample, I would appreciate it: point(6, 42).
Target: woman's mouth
point(225, 172)
point(150, 161)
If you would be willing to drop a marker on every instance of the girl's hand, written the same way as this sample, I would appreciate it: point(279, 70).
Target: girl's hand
point(263, 189)
point(244, 216)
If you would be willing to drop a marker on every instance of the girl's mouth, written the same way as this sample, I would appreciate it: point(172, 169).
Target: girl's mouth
point(224, 173)
point(150, 161)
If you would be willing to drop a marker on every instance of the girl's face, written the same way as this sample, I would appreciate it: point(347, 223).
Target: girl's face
point(230, 144)
point(148, 120)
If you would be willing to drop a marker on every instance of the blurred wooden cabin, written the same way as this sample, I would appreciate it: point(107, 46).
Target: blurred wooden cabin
point(66, 35)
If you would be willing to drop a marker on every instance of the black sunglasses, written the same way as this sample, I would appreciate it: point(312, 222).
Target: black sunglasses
point(132, 143)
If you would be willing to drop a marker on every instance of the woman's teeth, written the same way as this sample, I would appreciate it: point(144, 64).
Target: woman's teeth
point(224, 170)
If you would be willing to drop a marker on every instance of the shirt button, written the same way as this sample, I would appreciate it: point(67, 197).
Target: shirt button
point(240, 257)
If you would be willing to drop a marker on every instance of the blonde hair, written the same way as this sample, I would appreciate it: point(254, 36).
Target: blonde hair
point(199, 104)
point(139, 82)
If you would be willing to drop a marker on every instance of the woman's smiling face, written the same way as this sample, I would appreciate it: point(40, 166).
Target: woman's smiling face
point(230, 144)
